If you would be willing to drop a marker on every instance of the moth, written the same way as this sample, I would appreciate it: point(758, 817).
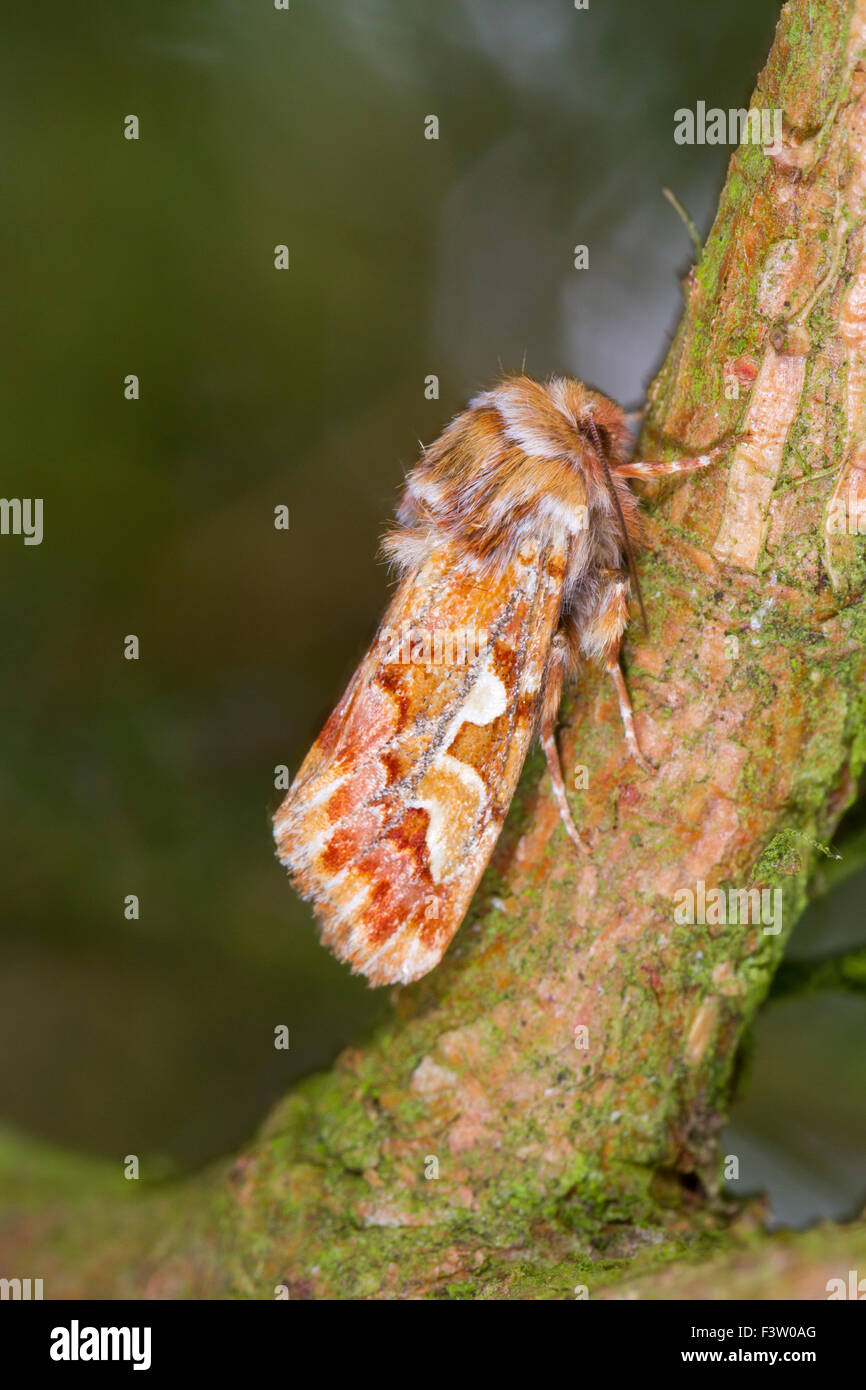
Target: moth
point(514, 546)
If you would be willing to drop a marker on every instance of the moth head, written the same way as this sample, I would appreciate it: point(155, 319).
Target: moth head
point(602, 423)
point(559, 419)
point(598, 422)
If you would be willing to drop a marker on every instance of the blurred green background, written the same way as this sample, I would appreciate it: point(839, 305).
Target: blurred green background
point(306, 387)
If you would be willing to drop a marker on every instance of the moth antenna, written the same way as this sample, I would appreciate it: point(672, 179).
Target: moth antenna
point(629, 553)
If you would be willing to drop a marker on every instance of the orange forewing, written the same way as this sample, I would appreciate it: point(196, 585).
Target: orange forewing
point(393, 815)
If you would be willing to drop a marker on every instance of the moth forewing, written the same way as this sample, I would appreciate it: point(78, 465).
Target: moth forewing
point(393, 815)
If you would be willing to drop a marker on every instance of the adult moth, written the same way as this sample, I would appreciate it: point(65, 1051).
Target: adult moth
point(518, 527)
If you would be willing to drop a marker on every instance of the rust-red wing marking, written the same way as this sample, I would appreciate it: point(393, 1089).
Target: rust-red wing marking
point(393, 815)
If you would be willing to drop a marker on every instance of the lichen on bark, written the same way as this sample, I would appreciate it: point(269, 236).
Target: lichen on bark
point(542, 1111)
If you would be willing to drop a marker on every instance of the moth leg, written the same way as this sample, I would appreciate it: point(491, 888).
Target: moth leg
point(601, 639)
point(560, 658)
point(661, 468)
point(626, 713)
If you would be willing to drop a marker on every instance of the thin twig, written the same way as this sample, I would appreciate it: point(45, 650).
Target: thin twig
point(689, 224)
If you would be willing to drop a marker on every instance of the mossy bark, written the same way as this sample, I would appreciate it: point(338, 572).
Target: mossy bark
point(542, 1111)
